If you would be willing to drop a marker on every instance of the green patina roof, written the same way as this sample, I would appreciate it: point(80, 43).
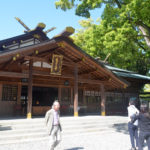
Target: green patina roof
point(125, 73)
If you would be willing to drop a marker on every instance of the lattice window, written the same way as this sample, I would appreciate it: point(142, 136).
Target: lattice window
point(9, 93)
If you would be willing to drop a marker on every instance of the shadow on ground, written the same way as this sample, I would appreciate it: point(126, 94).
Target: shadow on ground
point(121, 127)
point(75, 148)
point(3, 128)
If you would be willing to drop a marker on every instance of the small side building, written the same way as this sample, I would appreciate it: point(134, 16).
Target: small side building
point(117, 101)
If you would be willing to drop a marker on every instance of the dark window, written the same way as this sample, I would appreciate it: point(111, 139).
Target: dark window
point(9, 93)
point(66, 95)
point(80, 95)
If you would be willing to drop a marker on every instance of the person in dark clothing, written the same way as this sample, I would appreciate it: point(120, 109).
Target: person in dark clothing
point(144, 126)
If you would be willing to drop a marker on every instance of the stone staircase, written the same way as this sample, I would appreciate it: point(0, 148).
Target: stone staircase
point(24, 130)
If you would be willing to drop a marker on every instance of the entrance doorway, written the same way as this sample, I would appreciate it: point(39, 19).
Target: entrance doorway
point(41, 96)
point(44, 96)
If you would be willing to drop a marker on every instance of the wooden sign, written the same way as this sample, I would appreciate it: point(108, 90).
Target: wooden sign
point(56, 64)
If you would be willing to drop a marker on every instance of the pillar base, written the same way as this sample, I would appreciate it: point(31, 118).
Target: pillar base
point(75, 114)
point(103, 113)
point(29, 116)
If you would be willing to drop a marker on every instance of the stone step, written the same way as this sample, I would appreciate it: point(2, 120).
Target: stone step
point(32, 127)
point(43, 128)
point(16, 131)
point(36, 136)
point(44, 138)
point(64, 122)
point(63, 119)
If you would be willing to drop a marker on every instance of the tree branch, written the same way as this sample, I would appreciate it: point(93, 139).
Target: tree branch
point(141, 46)
point(145, 35)
point(144, 26)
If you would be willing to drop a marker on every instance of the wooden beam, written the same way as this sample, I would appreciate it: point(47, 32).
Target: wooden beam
point(27, 58)
point(68, 64)
point(39, 73)
point(29, 107)
point(66, 56)
point(101, 68)
point(76, 92)
point(80, 80)
point(35, 58)
point(87, 72)
point(13, 74)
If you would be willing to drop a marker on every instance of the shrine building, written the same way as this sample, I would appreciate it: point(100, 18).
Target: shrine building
point(36, 70)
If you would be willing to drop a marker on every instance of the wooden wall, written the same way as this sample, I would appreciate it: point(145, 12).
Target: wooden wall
point(6, 107)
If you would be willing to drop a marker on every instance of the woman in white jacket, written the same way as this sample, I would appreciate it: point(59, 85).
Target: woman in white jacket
point(133, 127)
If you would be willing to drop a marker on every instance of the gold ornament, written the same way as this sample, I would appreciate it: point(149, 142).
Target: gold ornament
point(83, 59)
point(36, 52)
point(14, 58)
point(61, 45)
point(36, 36)
point(18, 55)
point(125, 86)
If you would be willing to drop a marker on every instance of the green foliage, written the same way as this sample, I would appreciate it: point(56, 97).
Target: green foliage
point(146, 97)
point(65, 4)
point(99, 40)
point(117, 32)
point(147, 88)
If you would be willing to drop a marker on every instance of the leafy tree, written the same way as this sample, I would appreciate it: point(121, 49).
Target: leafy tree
point(147, 88)
point(124, 31)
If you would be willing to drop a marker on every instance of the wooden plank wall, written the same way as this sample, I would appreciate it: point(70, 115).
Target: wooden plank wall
point(6, 107)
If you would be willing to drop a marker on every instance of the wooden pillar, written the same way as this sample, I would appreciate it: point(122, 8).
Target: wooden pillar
point(123, 101)
point(29, 107)
point(103, 100)
point(19, 94)
point(76, 92)
point(71, 95)
point(84, 98)
point(59, 93)
point(1, 91)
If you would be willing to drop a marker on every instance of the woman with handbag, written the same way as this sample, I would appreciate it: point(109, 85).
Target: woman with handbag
point(133, 127)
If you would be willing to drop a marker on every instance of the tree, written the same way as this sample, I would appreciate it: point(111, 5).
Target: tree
point(136, 11)
point(124, 31)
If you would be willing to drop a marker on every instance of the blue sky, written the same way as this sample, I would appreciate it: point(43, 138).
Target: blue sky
point(31, 12)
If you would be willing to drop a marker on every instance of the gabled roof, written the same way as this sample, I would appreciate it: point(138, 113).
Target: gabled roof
point(63, 45)
point(27, 39)
point(126, 73)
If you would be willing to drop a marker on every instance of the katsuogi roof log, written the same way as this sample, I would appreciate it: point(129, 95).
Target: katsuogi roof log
point(68, 31)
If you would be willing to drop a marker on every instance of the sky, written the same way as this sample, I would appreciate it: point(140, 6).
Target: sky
point(31, 12)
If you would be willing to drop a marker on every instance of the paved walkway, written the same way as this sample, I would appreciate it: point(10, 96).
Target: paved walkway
point(112, 135)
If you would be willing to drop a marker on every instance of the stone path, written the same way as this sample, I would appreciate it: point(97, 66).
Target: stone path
point(83, 133)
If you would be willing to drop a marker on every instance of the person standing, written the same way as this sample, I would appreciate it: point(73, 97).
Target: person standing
point(144, 126)
point(133, 127)
point(52, 122)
